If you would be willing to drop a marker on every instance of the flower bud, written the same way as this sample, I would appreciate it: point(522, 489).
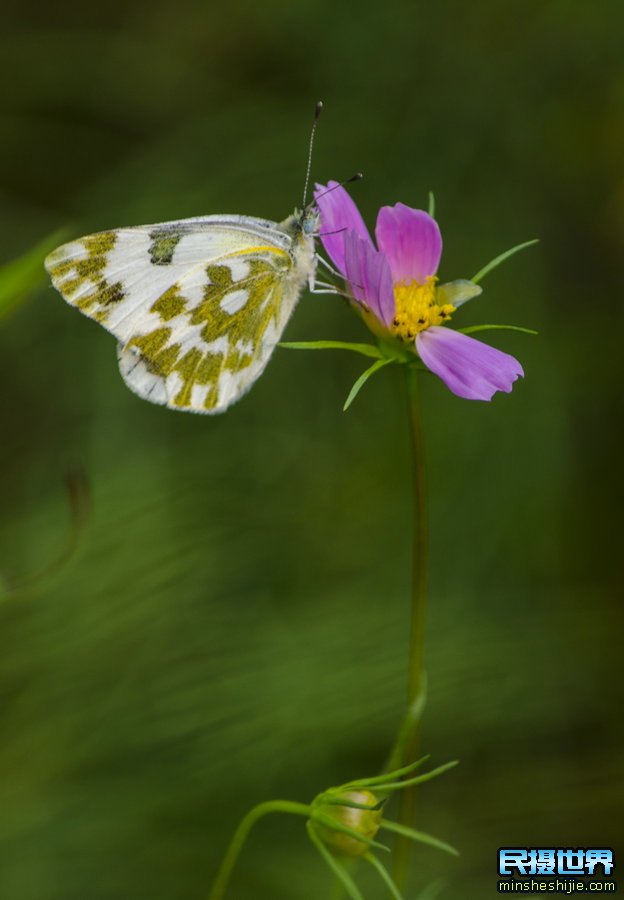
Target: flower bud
point(363, 821)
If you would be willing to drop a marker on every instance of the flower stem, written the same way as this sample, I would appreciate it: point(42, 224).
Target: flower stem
point(406, 747)
point(240, 836)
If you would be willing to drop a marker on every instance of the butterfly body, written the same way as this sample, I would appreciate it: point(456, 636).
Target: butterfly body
point(197, 305)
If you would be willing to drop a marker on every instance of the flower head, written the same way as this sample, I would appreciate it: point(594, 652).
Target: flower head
point(396, 289)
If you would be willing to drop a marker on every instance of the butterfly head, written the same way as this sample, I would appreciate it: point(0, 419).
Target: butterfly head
point(310, 219)
point(304, 223)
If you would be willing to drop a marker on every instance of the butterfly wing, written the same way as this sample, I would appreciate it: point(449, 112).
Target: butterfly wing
point(196, 305)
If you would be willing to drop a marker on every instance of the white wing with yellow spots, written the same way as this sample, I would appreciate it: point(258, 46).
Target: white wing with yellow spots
point(197, 305)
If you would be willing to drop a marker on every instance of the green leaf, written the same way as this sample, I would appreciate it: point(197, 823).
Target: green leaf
point(500, 259)
point(359, 384)
point(385, 875)
point(23, 275)
point(365, 349)
point(472, 329)
point(339, 871)
point(420, 836)
point(431, 205)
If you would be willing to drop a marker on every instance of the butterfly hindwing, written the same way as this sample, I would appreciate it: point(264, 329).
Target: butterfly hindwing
point(197, 305)
point(210, 351)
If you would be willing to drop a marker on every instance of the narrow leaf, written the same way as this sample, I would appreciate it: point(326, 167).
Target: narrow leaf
point(500, 259)
point(339, 871)
point(472, 329)
point(385, 875)
point(24, 274)
point(420, 836)
point(365, 349)
point(359, 384)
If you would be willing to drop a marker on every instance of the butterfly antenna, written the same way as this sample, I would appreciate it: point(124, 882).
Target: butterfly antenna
point(357, 177)
point(317, 113)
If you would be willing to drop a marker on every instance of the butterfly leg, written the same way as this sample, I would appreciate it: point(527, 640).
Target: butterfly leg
point(324, 287)
point(328, 266)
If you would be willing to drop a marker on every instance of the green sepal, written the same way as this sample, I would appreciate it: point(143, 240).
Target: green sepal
point(359, 384)
point(330, 800)
point(458, 292)
point(397, 351)
point(500, 259)
point(365, 349)
point(472, 329)
point(380, 779)
point(420, 837)
point(385, 875)
point(431, 205)
point(339, 871)
point(420, 779)
point(23, 275)
point(334, 825)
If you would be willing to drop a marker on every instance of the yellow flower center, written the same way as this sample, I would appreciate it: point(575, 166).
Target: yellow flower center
point(416, 308)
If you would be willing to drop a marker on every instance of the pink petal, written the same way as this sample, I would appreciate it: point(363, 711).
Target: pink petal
point(411, 240)
point(467, 367)
point(338, 212)
point(369, 276)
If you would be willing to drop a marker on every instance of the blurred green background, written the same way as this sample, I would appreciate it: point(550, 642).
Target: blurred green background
point(234, 625)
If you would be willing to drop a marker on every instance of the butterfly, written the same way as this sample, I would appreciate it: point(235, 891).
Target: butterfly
point(197, 305)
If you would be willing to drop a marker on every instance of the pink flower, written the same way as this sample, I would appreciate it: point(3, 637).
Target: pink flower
point(397, 291)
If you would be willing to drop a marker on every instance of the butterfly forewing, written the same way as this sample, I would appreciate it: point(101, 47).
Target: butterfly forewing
point(196, 305)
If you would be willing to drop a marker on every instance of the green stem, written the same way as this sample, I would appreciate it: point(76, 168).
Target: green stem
point(240, 836)
point(406, 747)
